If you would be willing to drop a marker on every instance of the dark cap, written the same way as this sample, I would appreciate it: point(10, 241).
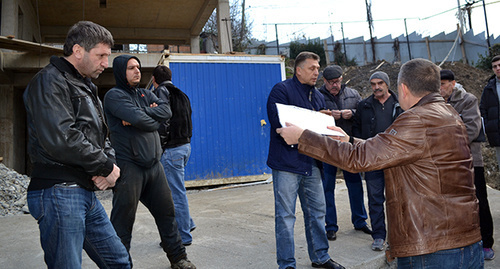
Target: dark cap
point(447, 75)
point(332, 71)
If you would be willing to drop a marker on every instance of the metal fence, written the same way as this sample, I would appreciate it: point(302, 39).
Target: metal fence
point(449, 47)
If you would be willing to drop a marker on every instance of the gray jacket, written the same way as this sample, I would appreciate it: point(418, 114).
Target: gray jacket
point(466, 105)
point(348, 99)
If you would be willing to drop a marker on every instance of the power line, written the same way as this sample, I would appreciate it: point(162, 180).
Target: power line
point(380, 20)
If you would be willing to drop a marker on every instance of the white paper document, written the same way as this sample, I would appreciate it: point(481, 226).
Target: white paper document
point(306, 119)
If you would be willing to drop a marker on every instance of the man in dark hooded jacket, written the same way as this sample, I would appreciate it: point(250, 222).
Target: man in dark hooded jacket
point(134, 115)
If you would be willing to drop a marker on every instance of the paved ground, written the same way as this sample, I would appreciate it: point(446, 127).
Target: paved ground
point(235, 229)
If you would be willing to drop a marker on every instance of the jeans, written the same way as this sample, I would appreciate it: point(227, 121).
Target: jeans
point(174, 160)
point(356, 201)
point(70, 219)
point(149, 186)
point(310, 191)
point(375, 187)
point(471, 257)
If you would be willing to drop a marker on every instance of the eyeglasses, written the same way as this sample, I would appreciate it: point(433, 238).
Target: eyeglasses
point(334, 81)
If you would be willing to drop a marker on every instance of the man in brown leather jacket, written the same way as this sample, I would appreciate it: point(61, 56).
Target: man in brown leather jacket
point(431, 203)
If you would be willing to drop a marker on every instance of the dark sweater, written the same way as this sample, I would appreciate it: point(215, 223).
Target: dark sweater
point(139, 142)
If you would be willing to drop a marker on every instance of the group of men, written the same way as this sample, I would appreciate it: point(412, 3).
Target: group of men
point(425, 161)
point(420, 149)
point(72, 155)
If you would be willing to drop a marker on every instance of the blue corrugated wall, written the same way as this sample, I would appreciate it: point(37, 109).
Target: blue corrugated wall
point(228, 102)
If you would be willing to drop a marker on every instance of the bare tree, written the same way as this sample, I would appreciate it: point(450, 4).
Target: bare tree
point(240, 25)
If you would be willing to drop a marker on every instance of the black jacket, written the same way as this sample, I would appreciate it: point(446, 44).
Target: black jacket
point(364, 119)
point(67, 132)
point(179, 129)
point(489, 107)
point(139, 142)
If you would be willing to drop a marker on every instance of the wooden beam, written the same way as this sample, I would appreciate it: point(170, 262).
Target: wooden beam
point(27, 46)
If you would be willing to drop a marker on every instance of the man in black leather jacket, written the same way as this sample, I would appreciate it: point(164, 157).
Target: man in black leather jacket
point(134, 115)
point(71, 154)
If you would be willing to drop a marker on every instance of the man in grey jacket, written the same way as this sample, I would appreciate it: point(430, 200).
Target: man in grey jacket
point(341, 102)
point(466, 105)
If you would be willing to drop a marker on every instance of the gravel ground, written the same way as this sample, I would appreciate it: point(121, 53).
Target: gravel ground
point(12, 192)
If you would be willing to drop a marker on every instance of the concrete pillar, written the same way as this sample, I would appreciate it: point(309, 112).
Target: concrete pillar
point(10, 11)
point(195, 44)
point(12, 128)
point(224, 27)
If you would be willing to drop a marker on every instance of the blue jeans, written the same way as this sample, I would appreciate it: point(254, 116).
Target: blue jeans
point(470, 257)
point(174, 160)
point(310, 191)
point(375, 187)
point(69, 218)
point(355, 191)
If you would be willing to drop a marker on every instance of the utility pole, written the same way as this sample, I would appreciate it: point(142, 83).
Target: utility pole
point(407, 41)
point(277, 42)
point(487, 30)
point(243, 25)
point(343, 42)
point(370, 26)
point(460, 17)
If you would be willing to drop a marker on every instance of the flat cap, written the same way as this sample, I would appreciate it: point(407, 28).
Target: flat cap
point(332, 71)
point(447, 75)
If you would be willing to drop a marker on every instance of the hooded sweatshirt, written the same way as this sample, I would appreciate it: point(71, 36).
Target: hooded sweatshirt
point(138, 142)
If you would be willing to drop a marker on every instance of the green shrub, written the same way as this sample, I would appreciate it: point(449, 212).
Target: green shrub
point(310, 45)
point(485, 61)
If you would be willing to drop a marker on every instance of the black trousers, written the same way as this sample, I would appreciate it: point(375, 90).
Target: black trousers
point(148, 185)
point(485, 219)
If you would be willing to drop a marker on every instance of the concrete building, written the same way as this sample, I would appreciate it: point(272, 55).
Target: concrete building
point(31, 31)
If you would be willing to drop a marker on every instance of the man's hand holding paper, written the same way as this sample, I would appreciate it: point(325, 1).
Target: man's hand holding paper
point(307, 119)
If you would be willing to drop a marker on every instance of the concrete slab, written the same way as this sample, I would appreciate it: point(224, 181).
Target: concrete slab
point(235, 229)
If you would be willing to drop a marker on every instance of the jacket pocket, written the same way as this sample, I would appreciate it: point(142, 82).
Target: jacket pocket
point(144, 149)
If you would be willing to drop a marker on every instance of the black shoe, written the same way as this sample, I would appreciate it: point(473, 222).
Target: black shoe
point(183, 264)
point(365, 229)
point(331, 264)
point(331, 235)
point(289, 267)
point(187, 244)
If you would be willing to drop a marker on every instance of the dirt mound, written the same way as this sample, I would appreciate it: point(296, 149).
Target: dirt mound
point(473, 80)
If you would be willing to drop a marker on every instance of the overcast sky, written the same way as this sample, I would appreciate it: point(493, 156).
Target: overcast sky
point(323, 17)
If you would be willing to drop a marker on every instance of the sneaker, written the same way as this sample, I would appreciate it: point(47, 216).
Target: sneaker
point(183, 264)
point(378, 244)
point(331, 264)
point(331, 235)
point(489, 254)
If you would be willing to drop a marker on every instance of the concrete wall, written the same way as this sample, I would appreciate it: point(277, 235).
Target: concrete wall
point(12, 128)
point(19, 20)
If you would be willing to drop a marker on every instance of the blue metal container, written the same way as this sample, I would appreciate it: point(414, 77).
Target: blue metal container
point(228, 97)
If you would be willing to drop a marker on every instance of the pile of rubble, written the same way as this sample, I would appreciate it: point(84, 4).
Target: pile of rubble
point(13, 188)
